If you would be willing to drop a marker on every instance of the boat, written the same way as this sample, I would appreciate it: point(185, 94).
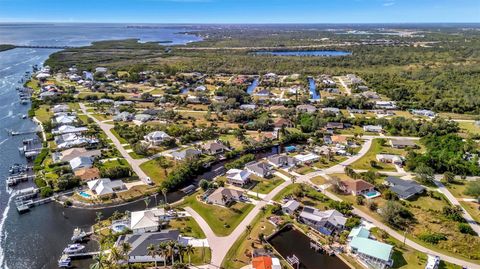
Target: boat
point(24, 116)
point(65, 261)
point(73, 248)
point(17, 168)
point(78, 235)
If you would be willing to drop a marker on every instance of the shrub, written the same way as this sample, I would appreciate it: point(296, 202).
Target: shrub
point(46, 192)
point(465, 228)
point(432, 238)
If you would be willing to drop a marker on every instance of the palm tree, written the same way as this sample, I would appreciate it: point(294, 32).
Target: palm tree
point(125, 248)
point(99, 261)
point(248, 230)
point(115, 255)
point(98, 216)
point(147, 201)
point(164, 192)
point(181, 251)
point(152, 252)
point(189, 249)
point(171, 250)
point(162, 248)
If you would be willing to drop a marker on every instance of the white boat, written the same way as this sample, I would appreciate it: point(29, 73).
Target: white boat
point(64, 261)
point(73, 248)
point(78, 235)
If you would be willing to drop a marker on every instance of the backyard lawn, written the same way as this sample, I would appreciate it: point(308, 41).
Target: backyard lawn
point(222, 220)
point(155, 172)
point(43, 113)
point(187, 227)
point(265, 186)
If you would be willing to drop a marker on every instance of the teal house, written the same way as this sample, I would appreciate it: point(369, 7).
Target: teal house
point(370, 252)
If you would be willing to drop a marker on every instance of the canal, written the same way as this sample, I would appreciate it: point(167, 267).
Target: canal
point(252, 86)
point(290, 242)
point(313, 89)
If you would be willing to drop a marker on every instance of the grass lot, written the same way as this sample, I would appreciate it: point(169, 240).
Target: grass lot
point(155, 172)
point(325, 163)
point(469, 127)
point(239, 254)
point(305, 169)
point(222, 220)
point(43, 113)
point(200, 256)
point(319, 180)
point(265, 185)
point(376, 148)
point(473, 209)
point(455, 116)
point(187, 227)
point(233, 141)
point(115, 163)
point(83, 119)
point(120, 139)
point(101, 117)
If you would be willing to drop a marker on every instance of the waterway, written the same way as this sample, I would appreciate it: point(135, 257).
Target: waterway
point(309, 258)
point(315, 53)
point(252, 86)
point(313, 89)
point(36, 239)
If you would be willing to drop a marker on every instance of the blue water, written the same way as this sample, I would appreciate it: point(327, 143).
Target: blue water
point(252, 86)
point(318, 53)
point(313, 89)
point(84, 194)
point(36, 239)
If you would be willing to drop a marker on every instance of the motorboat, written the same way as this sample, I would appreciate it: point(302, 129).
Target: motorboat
point(65, 261)
point(78, 235)
point(73, 248)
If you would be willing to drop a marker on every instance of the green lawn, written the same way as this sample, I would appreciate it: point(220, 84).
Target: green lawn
point(473, 209)
point(222, 220)
point(325, 163)
point(200, 256)
point(469, 127)
point(458, 188)
point(154, 171)
point(43, 113)
point(376, 148)
point(187, 227)
point(265, 185)
point(121, 139)
point(305, 169)
point(83, 119)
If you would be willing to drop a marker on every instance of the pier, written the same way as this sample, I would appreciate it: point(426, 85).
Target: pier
point(14, 180)
point(83, 254)
point(43, 47)
point(293, 260)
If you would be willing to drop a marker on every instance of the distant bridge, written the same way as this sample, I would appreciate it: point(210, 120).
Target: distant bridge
point(43, 47)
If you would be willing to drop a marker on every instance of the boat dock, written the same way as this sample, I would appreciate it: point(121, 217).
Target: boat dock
point(25, 205)
point(15, 179)
point(83, 254)
point(293, 260)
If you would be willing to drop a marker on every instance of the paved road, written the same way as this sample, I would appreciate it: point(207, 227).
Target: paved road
point(220, 245)
point(106, 128)
point(454, 201)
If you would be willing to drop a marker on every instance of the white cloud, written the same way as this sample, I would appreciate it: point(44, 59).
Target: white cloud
point(388, 3)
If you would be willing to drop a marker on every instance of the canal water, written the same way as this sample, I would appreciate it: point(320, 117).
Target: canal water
point(290, 242)
point(317, 53)
point(313, 89)
point(252, 86)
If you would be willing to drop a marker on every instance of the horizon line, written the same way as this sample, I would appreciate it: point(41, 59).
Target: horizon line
point(230, 23)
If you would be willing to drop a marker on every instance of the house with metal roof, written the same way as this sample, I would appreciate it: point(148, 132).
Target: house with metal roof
point(405, 189)
point(147, 220)
point(290, 207)
point(81, 163)
point(326, 222)
point(260, 169)
point(358, 231)
point(156, 138)
point(238, 177)
point(375, 254)
point(140, 243)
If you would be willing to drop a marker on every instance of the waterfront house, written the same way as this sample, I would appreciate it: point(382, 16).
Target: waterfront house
point(326, 222)
point(149, 220)
point(81, 163)
point(214, 148)
point(260, 169)
point(186, 154)
point(306, 158)
point(105, 186)
point(238, 177)
point(404, 189)
point(69, 154)
point(47, 94)
point(140, 242)
point(66, 129)
point(358, 231)
point(60, 108)
point(290, 207)
point(87, 174)
point(356, 187)
point(265, 262)
point(390, 158)
point(375, 254)
point(156, 138)
point(280, 161)
point(65, 120)
point(402, 143)
point(306, 108)
point(224, 196)
point(373, 128)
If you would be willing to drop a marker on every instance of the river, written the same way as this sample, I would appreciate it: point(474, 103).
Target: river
point(36, 239)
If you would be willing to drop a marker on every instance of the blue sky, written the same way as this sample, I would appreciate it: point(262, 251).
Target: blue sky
point(240, 11)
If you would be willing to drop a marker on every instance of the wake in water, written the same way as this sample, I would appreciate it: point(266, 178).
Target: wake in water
point(3, 233)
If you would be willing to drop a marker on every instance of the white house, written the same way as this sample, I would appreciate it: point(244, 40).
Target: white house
point(105, 186)
point(157, 137)
point(325, 222)
point(290, 207)
point(147, 220)
point(373, 128)
point(238, 177)
point(306, 158)
point(81, 163)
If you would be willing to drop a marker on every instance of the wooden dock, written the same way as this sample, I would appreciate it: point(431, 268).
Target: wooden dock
point(14, 180)
point(83, 254)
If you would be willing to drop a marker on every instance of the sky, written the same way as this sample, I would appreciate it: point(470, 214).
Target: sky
point(240, 11)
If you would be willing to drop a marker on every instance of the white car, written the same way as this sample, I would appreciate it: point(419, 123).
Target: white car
point(149, 181)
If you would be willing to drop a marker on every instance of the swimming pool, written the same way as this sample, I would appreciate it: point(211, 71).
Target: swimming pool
point(84, 194)
point(371, 194)
point(119, 227)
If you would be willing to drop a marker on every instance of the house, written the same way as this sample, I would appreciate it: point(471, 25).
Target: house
point(356, 187)
point(373, 128)
point(87, 174)
point(65, 119)
point(140, 242)
point(81, 163)
point(385, 104)
point(371, 252)
point(156, 138)
point(67, 129)
point(332, 110)
point(186, 154)
point(405, 189)
point(122, 103)
point(339, 139)
point(334, 125)
point(263, 93)
point(142, 117)
point(200, 88)
point(47, 94)
point(260, 169)
point(69, 154)
point(101, 70)
point(402, 143)
point(238, 177)
point(60, 108)
point(224, 196)
point(390, 158)
point(380, 113)
point(214, 148)
point(281, 161)
point(266, 262)
point(123, 116)
point(326, 222)
point(290, 207)
point(423, 112)
point(104, 101)
point(248, 107)
point(105, 186)
point(370, 95)
point(306, 158)
point(358, 231)
point(281, 123)
point(306, 108)
point(146, 221)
